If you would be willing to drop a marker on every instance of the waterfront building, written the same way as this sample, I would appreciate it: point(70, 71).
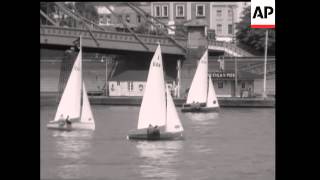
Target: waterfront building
point(107, 19)
point(224, 83)
point(220, 17)
point(133, 83)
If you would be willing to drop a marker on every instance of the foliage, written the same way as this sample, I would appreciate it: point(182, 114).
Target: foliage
point(143, 28)
point(87, 10)
point(254, 38)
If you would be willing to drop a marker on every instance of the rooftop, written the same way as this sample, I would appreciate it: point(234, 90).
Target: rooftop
point(135, 75)
point(119, 8)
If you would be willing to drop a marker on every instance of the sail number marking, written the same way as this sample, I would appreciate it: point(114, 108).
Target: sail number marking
point(76, 68)
point(156, 64)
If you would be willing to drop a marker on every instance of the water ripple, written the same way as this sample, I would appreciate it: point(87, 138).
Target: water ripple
point(158, 159)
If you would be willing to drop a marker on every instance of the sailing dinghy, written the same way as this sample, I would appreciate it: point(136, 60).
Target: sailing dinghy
point(71, 114)
point(158, 117)
point(201, 96)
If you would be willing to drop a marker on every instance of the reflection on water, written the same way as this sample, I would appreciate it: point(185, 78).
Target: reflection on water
point(203, 121)
point(72, 147)
point(159, 158)
point(203, 118)
point(203, 124)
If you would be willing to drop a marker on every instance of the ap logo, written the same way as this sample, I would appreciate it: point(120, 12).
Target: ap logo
point(262, 13)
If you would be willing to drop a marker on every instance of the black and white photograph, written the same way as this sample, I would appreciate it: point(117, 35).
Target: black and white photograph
point(157, 90)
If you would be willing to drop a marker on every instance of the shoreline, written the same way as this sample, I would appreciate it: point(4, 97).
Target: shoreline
point(49, 99)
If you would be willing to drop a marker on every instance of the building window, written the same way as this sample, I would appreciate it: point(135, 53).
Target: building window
point(219, 13)
point(179, 11)
point(165, 11)
point(219, 28)
point(230, 29)
point(130, 86)
point(229, 13)
point(200, 11)
point(128, 18)
point(243, 85)
point(108, 19)
point(105, 20)
point(220, 84)
point(157, 11)
point(139, 18)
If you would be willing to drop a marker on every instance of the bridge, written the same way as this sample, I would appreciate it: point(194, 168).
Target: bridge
point(95, 37)
point(228, 48)
point(248, 64)
point(120, 41)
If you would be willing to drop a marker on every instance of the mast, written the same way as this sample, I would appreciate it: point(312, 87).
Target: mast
point(264, 95)
point(81, 77)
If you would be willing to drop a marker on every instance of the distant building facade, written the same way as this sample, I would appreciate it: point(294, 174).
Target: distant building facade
point(220, 16)
point(133, 83)
point(224, 83)
point(106, 18)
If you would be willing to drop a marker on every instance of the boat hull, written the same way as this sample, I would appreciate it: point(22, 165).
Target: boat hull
point(74, 126)
point(143, 135)
point(200, 109)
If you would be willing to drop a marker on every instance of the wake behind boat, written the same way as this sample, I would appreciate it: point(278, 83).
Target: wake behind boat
point(201, 96)
point(158, 117)
point(71, 114)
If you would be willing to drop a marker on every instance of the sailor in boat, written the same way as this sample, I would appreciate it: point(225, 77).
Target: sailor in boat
point(61, 121)
point(195, 105)
point(153, 132)
point(69, 123)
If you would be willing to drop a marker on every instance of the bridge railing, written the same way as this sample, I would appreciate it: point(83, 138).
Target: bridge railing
point(108, 35)
point(229, 46)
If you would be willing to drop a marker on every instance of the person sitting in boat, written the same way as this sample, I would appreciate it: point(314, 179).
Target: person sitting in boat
point(156, 131)
point(150, 129)
point(153, 131)
point(68, 122)
point(61, 121)
point(195, 105)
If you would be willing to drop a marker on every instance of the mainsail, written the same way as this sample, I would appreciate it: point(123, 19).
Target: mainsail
point(199, 86)
point(153, 106)
point(69, 104)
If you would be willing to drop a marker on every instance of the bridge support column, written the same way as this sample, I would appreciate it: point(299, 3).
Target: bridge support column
point(197, 44)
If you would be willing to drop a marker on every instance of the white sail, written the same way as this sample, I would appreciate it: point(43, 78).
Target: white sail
point(212, 100)
point(86, 113)
point(199, 86)
point(173, 123)
point(153, 106)
point(69, 104)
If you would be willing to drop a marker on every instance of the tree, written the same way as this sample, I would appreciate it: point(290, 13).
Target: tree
point(143, 28)
point(254, 38)
point(47, 7)
point(87, 10)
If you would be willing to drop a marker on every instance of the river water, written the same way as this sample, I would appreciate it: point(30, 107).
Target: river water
point(234, 144)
